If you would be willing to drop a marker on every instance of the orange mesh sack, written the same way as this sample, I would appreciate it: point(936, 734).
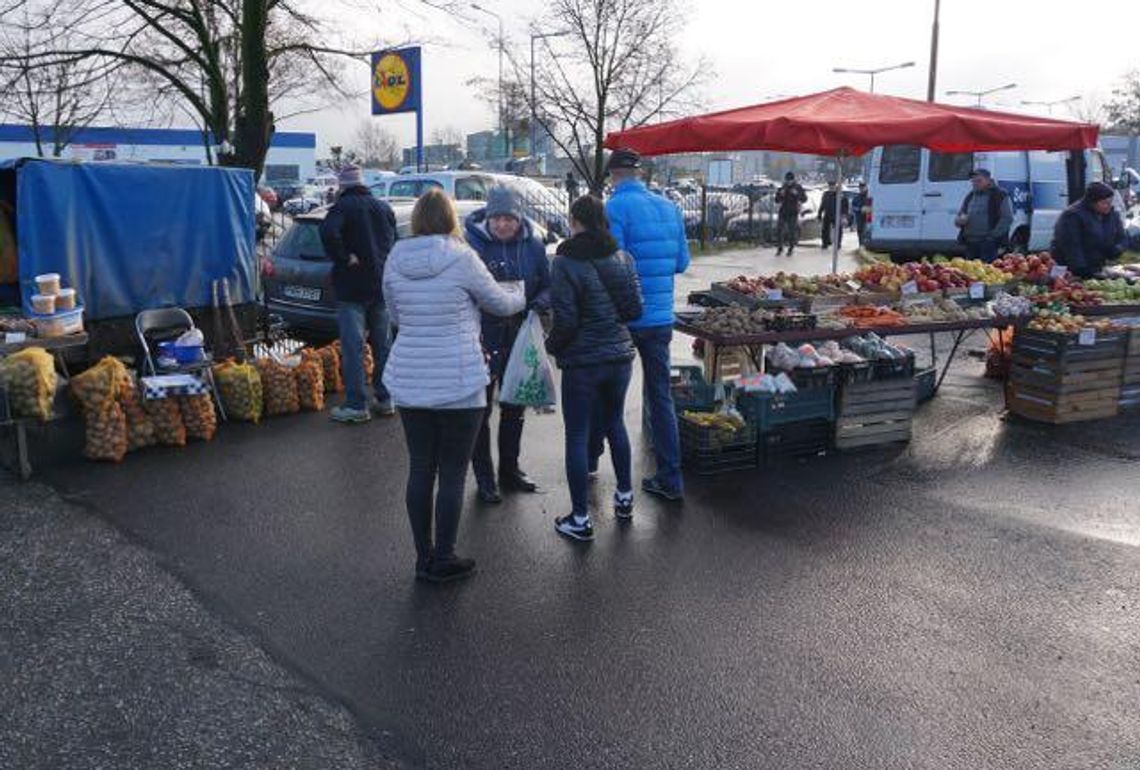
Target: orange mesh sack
point(198, 416)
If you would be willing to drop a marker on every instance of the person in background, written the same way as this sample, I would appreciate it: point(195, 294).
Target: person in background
point(504, 239)
point(435, 286)
point(595, 293)
point(858, 211)
point(827, 213)
point(9, 260)
point(790, 199)
point(651, 229)
point(571, 187)
point(357, 233)
point(1089, 233)
point(984, 218)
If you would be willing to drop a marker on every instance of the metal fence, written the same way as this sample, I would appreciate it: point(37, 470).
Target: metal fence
point(744, 214)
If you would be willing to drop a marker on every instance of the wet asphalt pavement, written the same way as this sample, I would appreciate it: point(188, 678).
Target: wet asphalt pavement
point(968, 601)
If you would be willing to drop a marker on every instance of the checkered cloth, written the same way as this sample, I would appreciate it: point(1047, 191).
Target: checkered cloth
point(171, 385)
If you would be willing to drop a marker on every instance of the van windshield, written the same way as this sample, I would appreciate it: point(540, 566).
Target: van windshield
point(950, 166)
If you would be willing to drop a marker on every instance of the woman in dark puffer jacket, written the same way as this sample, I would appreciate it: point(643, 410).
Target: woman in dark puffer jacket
point(594, 293)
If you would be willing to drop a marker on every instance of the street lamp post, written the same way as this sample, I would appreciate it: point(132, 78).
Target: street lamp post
point(533, 99)
point(502, 116)
point(979, 95)
point(873, 72)
point(1050, 104)
point(933, 74)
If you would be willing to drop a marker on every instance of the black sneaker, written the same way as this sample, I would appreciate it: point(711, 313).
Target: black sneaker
point(623, 505)
point(489, 494)
point(573, 527)
point(654, 487)
point(779, 251)
point(422, 569)
point(447, 570)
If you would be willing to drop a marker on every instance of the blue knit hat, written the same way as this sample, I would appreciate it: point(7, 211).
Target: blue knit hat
point(503, 202)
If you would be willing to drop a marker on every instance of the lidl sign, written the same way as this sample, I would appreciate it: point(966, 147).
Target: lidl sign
point(396, 81)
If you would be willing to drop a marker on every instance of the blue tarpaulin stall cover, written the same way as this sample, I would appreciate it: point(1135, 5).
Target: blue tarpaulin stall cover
point(131, 237)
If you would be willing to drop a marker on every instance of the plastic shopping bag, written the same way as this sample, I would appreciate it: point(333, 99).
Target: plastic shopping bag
point(529, 377)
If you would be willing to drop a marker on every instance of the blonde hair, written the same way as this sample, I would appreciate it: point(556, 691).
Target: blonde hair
point(434, 214)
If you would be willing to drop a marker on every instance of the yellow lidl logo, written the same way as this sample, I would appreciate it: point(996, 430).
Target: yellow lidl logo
point(391, 81)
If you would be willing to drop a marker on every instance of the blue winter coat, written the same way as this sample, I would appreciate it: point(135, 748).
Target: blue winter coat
point(358, 224)
point(652, 230)
point(523, 259)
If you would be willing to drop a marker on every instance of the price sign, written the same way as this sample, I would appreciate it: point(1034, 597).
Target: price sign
point(1058, 271)
point(977, 290)
point(13, 338)
point(910, 287)
point(854, 285)
point(1087, 336)
point(775, 294)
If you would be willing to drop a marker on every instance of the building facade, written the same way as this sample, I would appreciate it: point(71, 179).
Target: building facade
point(291, 158)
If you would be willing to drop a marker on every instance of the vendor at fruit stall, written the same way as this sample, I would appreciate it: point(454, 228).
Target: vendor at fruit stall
point(984, 218)
point(1089, 233)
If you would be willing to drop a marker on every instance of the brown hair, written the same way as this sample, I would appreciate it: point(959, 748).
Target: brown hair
point(434, 214)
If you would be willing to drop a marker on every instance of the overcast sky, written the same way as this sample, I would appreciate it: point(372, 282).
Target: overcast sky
point(760, 49)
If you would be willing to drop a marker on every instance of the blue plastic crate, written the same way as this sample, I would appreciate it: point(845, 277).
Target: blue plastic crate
point(768, 410)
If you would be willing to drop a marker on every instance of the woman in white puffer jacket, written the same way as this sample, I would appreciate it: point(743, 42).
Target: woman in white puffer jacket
point(435, 286)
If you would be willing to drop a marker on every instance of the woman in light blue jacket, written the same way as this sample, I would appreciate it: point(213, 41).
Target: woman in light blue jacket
point(435, 286)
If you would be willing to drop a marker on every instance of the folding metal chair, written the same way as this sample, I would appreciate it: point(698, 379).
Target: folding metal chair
point(171, 323)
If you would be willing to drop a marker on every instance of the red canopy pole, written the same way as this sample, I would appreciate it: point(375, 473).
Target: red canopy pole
point(838, 208)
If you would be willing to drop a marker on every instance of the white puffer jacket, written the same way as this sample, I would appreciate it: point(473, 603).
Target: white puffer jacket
point(435, 286)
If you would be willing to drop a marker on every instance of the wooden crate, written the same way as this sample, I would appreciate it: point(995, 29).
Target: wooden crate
point(875, 413)
point(1045, 406)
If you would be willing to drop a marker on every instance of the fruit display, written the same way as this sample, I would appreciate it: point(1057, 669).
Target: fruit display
point(730, 321)
point(198, 416)
point(791, 285)
point(927, 276)
point(279, 387)
point(943, 310)
point(718, 430)
point(883, 275)
point(29, 378)
point(980, 272)
point(167, 418)
point(1059, 292)
point(870, 317)
point(1034, 267)
point(1068, 324)
point(240, 388)
point(1010, 306)
point(1115, 291)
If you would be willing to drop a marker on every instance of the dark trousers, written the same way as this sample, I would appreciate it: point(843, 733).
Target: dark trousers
point(787, 232)
point(861, 228)
point(653, 348)
point(985, 249)
point(440, 442)
point(593, 404)
point(510, 440)
point(829, 230)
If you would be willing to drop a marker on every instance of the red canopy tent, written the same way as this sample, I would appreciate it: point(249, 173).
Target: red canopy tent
point(845, 122)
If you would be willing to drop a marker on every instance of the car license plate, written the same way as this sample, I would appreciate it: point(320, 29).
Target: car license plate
point(307, 293)
point(899, 221)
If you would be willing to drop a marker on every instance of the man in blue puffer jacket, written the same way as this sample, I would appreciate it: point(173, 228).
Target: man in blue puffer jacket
point(505, 241)
point(651, 229)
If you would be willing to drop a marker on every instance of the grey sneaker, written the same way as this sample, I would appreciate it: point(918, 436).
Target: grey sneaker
point(381, 408)
point(348, 415)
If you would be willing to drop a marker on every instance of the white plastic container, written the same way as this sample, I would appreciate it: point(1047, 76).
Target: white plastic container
point(60, 324)
point(43, 304)
point(48, 284)
point(65, 300)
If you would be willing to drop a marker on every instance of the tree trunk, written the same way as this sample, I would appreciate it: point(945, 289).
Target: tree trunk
point(254, 124)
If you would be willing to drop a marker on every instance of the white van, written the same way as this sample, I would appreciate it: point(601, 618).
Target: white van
point(916, 193)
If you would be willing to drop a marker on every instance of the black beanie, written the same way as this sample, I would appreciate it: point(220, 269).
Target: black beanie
point(1098, 191)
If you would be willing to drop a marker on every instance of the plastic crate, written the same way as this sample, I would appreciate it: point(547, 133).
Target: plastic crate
point(811, 378)
point(708, 450)
point(891, 369)
point(850, 374)
point(794, 441)
point(690, 390)
point(768, 410)
point(924, 384)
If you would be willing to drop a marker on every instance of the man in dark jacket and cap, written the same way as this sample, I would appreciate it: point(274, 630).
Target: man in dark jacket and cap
point(790, 198)
point(357, 233)
point(506, 242)
point(1089, 233)
point(984, 218)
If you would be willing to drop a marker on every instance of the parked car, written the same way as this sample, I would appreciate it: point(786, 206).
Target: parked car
point(297, 276)
point(310, 198)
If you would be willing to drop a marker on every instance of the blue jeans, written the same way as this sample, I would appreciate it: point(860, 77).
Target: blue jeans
point(653, 346)
point(593, 403)
point(985, 250)
point(354, 319)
